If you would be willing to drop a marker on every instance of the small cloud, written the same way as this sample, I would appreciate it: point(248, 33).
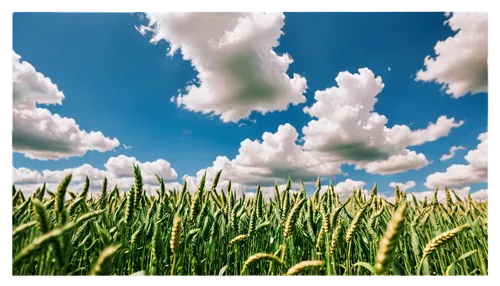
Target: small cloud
point(450, 155)
point(186, 131)
point(345, 174)
point(389, 68)
point(242, 124)
point(143, 29)
point(403, 186)
point(457, 175)
point(126, 147)
point(414, 122)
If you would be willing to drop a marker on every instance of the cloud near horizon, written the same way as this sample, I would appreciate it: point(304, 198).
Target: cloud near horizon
point(118, 170)
point(271, 160)
point(403, 186)
point(459, 175)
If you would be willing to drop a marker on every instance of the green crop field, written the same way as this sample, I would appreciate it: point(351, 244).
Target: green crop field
point(211, 231)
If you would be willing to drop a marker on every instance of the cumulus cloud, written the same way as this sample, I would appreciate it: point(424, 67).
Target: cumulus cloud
point(453, 150)
point(252, 195)
point(238, 70)
point(481, 195)
point(403, 186)
point(409, 160)
point(271, 160)
point(458, 175)
point(25, 175)
point(461, 62)
point(347, 129)
point(118, 170)
point(39, 134)
point(462, 193)
point(344, 189)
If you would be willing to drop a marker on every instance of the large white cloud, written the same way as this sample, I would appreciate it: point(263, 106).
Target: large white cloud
point(118, 170)
point(268, 161)
point(458, 175)
point(39, 134)
point(461, 62)
point(238, 70)
point(453, 150)
point(347, 129)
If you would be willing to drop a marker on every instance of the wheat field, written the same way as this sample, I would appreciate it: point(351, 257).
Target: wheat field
point(210, 231)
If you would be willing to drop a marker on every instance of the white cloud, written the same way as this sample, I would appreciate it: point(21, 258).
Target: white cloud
point(403, 186)
point(126, 147)
point(409, 160)
point(25, 175)
point(268, 161)
point(460, 175)
point(268, 192)
point(461, 63)
point(453, 150)
point(118, 170)
point(481, 195)
point(347, 129)
point(39, 134)
point(344, 189)
point(238, 70)
point(251, 194)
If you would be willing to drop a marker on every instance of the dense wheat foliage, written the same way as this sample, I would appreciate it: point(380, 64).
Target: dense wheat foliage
point(211, 231)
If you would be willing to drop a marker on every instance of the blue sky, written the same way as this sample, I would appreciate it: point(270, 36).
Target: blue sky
point(115, 81)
